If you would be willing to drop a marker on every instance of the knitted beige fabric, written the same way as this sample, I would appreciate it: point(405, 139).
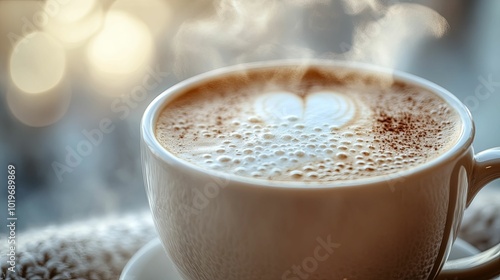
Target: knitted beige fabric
point(100, 248)
point(93, 249)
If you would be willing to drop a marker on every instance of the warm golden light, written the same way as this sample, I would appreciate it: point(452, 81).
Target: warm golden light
point(16, 20)
point(69, 10)
point(156, 14)
point(37, 63)
point(42, 109)
point(123, 45)
point(74, 21)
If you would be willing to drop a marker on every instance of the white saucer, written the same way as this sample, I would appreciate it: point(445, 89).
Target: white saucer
point(151, 261)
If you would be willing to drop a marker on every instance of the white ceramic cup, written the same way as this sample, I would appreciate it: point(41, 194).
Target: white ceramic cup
point(216, 225)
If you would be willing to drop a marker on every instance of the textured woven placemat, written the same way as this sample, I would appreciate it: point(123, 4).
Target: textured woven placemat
point(100, 248)
point(93, 249)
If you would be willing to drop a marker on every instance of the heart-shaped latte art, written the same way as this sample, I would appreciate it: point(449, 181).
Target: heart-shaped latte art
point(317, 108)
point(325, 134)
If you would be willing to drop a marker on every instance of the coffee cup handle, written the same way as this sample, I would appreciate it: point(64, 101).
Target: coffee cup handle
point(484, 265)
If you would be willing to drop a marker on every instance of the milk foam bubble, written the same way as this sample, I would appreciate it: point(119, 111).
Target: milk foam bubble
point(315, 129)
point(322, 107)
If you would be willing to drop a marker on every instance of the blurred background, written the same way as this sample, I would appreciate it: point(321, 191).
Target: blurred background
point(77, 75)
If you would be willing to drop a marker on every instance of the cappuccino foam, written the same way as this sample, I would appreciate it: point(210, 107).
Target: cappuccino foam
point(307, 124)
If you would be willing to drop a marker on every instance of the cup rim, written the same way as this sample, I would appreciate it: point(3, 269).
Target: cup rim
point(154, 109)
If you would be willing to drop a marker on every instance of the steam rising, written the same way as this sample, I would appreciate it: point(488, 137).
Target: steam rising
point(233, 32)
point(398, 31)
point(216, 34)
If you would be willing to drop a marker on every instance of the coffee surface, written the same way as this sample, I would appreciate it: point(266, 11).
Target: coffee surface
point(307, 124)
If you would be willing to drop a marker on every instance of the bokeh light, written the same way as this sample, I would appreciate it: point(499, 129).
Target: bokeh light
point(41, 109)
point(155, 14)
point(74, 21)
point(69, 11)
point(37, 63)
point(14, 16)
point(122, 46)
